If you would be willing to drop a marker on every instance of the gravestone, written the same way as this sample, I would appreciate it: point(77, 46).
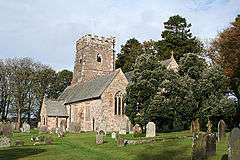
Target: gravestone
point(199, 146)
point(99, 138)
point(234, 145)
point(195, 126)
point(43, 128)
point(137, 129)
point(123, 127)
point(151, 129)
point(6, 129)
point(74, 127)
point(114, 135)
point(63, 125)
point(221, 130)
point(209, 126)
point(130, 129)
point(13, 124)
point(59, 132)
point(5, 142)
point(120, 141)
point(25, 127)
point(122, 131)
point(210, 140)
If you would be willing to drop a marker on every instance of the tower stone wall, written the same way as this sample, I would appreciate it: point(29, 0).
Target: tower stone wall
point(94, 57)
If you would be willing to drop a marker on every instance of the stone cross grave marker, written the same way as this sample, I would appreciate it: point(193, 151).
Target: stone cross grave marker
point(234, 145)
point(151, 129)
point(221, 130)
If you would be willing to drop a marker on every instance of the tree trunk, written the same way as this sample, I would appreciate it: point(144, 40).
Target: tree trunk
point(18, 118)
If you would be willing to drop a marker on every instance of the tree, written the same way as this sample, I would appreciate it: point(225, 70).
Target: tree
point(161, 95)
point(62, 80)
point(225, 51)
point(23, 84)
point(178, 38)
point(5, 90)
point(148, 73)
point(128, 55)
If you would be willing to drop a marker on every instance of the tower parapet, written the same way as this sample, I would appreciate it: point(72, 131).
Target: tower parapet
point(94, 57)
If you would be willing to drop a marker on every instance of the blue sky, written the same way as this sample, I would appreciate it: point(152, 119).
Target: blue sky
point(46, 30)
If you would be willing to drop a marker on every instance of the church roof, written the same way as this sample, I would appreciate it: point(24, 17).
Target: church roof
point(166, 62)
point(88, 90)
point(55, 108)
point(129, 75)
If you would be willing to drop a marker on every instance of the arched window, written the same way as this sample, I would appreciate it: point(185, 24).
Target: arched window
point(99, 58)
point(119, 104)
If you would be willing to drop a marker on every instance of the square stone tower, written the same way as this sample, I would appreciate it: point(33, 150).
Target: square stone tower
point(94, 57)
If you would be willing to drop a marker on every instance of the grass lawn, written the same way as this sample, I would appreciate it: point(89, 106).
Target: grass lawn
point(169, 146)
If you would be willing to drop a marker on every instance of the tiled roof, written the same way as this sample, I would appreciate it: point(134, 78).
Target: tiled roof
point(166, 62)
point(88, 90)
point(129, 75)
point(55, 108)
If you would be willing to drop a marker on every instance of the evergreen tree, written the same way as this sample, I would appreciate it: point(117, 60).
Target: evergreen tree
point(128, 55)
point(177, 37)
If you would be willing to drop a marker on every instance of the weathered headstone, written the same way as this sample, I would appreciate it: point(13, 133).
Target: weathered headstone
point(221, 129)
point(43, 128)
point(199, 147)
point(59, 132)
point(234, 145)
point(210, 139)
point(63, 125)
point(123, 127)
point(5, 142)
point(122, 131)
point(25, 127)
point(74, 127)
point(19, 143)
point(131, 129)
point(6, 129)
point(137, 129)
point(151, 129)
point(114, 135)
point(99, 138)
point(120, 141)
point(13, 124)
point(209, 126)
point(195, 126)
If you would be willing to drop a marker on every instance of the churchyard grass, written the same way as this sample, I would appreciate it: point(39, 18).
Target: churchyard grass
point(168, 146)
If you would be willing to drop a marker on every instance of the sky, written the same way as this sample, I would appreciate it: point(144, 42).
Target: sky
point(46, 30)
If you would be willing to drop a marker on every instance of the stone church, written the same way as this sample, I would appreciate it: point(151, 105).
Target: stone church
point(95, 98)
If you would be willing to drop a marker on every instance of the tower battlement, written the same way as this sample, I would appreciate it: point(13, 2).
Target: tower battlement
point(94, 57)
point(96, 39)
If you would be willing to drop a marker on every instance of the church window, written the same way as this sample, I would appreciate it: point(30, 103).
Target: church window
point(119, 104)
point(115, 105)
point(99, 58)
point(56, 121)
point(87, 115)
point(44, 123)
